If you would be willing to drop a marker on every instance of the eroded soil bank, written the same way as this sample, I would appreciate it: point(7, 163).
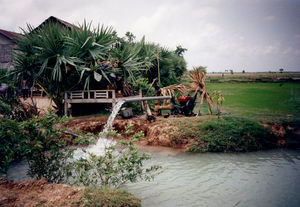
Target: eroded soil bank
point(38, 192)
point(41, 193)
point(172, 132)
point(158, 133)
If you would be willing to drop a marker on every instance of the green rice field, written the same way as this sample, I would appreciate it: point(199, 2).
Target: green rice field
point(258, 99)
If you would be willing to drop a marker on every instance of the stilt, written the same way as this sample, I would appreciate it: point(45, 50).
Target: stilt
point(66, 105)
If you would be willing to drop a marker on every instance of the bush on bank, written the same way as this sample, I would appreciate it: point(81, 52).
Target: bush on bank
point(229, 134)
point(108, 197)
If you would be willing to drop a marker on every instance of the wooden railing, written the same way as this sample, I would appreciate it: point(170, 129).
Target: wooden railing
point(103, 96)
point(90, 95)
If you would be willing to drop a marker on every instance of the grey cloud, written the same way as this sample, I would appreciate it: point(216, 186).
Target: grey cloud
point(252, 35)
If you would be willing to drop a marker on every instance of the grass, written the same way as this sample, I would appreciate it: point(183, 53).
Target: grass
point(257, 103)
point(254, 78)
point(258, 99)
point(251, 75)
point(228, 134)
point(109, 197)
point(224, 134)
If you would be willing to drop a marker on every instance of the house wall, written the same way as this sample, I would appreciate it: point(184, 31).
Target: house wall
point(4, 40)
point(6, 49)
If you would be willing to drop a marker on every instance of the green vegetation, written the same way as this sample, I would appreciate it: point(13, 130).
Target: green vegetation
point(3, 77)
point(108, 197)
point(36, 140)
point(229, 134)
point(260, 99)
point(275, 103)
point(117, 166)
point(48, 156)
point(45, 149)
point(60, 59)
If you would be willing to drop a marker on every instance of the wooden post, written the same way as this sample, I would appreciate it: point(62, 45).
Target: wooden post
point(31, 91)
point(148, 111)
point(113, 94)
point(113, 98)
point(66, 104)
point(158, 70)
point(141, 102)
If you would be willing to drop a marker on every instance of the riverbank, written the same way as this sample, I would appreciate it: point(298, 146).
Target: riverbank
point(42, 193)
point(198, 134)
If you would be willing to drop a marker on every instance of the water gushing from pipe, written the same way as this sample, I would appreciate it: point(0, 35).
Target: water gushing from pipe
point(112, 116)
point(103, 142)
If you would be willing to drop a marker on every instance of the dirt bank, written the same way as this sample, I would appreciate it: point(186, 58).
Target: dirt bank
point(166, 132)
point(172, 131)
point(38, 193)
point(41, 193)
point(158, 133)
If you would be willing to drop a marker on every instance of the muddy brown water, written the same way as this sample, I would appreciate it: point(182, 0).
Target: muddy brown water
point(265, 178)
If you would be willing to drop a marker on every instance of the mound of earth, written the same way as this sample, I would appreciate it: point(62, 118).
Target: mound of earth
point(41, 193)
point(38, 193)
point(158, 133)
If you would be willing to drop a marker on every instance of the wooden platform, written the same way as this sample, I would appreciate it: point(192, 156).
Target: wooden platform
point(102, 96)
point(91, 96)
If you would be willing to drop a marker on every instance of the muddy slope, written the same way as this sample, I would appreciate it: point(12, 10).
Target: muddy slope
point(158, 133)
point(38, 193)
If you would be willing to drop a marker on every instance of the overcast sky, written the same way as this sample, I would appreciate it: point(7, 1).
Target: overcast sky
point(250, 35)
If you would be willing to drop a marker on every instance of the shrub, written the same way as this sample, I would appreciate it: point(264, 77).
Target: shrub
point(11, 142)
point(37, 141)
point(231, 134)
point(118, 165)
point(44, 150)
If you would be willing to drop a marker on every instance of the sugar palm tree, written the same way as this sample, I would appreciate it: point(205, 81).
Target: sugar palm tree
point(58, 59)
point(132, 63)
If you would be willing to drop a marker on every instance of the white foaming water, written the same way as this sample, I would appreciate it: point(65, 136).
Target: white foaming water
point(112, 116)
point(103, 142)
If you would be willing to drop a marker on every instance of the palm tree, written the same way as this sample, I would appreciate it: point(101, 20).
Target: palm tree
point(58, 59)
point(61, 59)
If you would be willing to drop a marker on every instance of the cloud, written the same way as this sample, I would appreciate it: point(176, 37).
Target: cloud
point(218, 34)
point(269, 18)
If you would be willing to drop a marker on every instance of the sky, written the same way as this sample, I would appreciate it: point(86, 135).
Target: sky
point(250, 35)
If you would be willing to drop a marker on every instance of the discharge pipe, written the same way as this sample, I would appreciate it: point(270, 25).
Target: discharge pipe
point(146, 98)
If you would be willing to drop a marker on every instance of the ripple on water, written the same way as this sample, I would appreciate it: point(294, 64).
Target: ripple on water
point(236, 179)
point(267, 178)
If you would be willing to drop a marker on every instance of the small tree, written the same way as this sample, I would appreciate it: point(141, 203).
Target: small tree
point(231, 71)
point(130, 36)
point(180, 50)
point(218, 99)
